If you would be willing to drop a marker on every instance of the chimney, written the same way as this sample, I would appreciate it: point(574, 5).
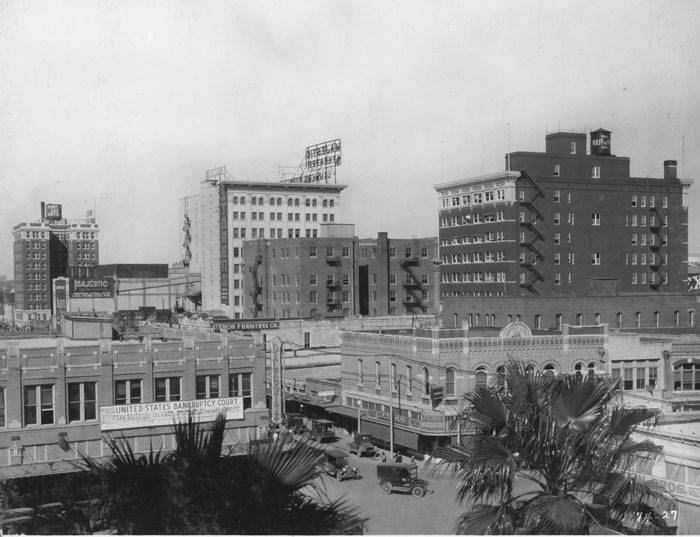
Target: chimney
point(670, 169)
point(43, 210)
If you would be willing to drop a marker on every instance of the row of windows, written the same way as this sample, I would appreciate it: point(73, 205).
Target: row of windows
point(631, 259)
point(36, 255)
point(331, 297)
point(653, 277)
point(473, 319)
point(471, 219)
point(37, 245)
point(634, 220)
point(474, 277)
point(291, 217)
point(275, 233)
point(490, 236)
point(38, 401)
point(490, 196)
point(85, 245)
point(641, 201)
point(636, 377)
point(291, 202)
point(473, 257)
point(642, 239)
point(85, 256)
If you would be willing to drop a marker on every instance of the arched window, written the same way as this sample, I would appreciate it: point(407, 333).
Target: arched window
point(476, 319)
point(638, 319)
point(450, 381)
point(509, 318)
point(426, 381)
point(676, 318)
point(578, 369)
point(619, 319)
point(360, 376)
point(529, 369)
point(596, 318)
point(493, 319)
point(470, 320)
point(657, 319)
point(549, 370)
point(591, 369)
point(480, 378)
point(686, 376)
point(691, 318)
point(557, 321)
point(579, 319)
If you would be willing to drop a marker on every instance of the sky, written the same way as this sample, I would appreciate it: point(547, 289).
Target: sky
point(122, 106)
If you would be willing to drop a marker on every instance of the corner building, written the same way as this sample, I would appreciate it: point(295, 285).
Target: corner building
point(227, 212)
point(570, 237)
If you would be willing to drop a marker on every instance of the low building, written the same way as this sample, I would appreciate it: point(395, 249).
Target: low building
point(59, 397)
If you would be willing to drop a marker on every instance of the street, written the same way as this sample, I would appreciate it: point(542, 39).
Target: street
point(396, 513)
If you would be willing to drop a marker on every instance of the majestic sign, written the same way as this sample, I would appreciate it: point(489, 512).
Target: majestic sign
point(168, 412)
point(232, 325)
point(323, 155)
point(53, 211)
point(92, 288)
point(276, 388)
point(320, 162)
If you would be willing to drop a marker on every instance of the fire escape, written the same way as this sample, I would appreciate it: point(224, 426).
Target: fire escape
point(530, 235)
point(656, 257)
point(416, 293)
point(333, 284)
point(256, 291)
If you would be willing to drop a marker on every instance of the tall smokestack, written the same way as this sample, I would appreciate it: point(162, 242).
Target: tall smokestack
point(670, 169)
point(43, 210)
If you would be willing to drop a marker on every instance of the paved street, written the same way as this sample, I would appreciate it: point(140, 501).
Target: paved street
point(396, 513)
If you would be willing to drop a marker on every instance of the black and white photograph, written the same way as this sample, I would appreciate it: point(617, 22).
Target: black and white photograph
point(324, 267)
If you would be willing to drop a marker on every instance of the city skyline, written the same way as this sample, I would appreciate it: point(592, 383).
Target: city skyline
point(122, 108)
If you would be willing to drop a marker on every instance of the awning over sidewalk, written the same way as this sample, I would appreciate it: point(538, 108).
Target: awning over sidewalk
point(342, 410)
point(404, 438)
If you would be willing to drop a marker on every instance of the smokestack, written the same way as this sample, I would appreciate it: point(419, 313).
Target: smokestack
point(670, 169)
point(43, 210)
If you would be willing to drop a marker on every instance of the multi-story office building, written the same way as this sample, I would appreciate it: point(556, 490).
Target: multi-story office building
point(337, 274)
point(566, 236)
point(49, 248)
point(227, 212)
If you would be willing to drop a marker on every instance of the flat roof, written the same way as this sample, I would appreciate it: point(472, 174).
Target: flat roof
point(477, 179)
point(270, 185)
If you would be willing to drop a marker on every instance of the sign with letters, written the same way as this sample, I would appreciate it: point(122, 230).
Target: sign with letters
point(117, 417)
point(92, 288)
point(232, 325)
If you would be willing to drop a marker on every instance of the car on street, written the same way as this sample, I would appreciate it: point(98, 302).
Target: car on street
point(362, 445)
point(323, 430)
point(401, 477)
point(336, 464)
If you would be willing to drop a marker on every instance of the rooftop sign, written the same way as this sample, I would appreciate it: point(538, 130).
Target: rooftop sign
point(320, 162)
point(232, 325)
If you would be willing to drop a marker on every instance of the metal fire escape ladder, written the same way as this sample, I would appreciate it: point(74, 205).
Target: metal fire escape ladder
point(256, 291)
point(414, 287)
point(535, 234)
point(655, 229)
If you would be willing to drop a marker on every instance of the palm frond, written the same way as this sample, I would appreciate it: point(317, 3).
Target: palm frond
point(294, 467)
point(580, 402)
point(486, 519)
point(487, 409)
point(623, 420)
point(555, 514)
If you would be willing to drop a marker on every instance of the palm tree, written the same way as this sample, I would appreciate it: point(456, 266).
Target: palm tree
point(198, 489)
point(551, 455)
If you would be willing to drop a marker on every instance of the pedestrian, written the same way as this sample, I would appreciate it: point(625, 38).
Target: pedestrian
point(383, 456)
point(413, 460)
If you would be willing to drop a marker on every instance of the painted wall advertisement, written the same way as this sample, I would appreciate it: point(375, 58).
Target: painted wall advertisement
point(168, 412)
point(92, 288)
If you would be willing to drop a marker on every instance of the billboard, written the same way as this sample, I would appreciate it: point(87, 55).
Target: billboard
point(51, 211)
point(323, 155)
point(92, 288)
point(167, 413)
point(600, 142)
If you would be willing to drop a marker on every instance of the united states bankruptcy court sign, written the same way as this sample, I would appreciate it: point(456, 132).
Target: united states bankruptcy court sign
point(113, 418)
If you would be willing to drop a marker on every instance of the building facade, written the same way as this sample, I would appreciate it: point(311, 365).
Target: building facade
point(49, 248)
point(227, 212)
point(568, 229)
point(55, 395)
point(336, 274)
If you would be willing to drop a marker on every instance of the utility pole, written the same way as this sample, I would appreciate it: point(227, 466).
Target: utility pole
point(359, 416)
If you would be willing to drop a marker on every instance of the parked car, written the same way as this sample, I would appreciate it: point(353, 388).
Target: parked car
point(362, 445)
point(323, 430)
point(336, 464)
point(401, 477)
point(295, 423)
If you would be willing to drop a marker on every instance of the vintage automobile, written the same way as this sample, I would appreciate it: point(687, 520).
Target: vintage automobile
point(362, 445)
point(323, 430)
point(295, 423)
point(401, 477)
point(336, 464)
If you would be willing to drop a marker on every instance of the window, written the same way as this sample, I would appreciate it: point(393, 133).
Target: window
point(346, 251)
point(557, 219)
point(572, 148)
point(557, 278)
point(686, 376)
point(570, 219)
point(38, 404)
point(312, 251)
point(596, 318)
point(167, 388)
point(313, 279)
point(450, 381)
point(595, 258)
point(241, 385)
point(82, 401)
point(579, 319)
point(392, 252)
point(595, 174)
point(557, 172)
point(557, 238)
point(549, 370)
point(619, 319)
point(638, 319)
point(127, 392)
point(538, 322)
point(634, 201)
point(409, 379)
point(360, 373)
point(313, 297)
point(557, 321)
point(480, 378)
point(426, 381)
point(208, 386)
point(664, 202)
point(392, 380)
point(676, 318)
point(377, 374)
point(596, 219)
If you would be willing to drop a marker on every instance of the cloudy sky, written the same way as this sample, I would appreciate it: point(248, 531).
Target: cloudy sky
point(123, 105)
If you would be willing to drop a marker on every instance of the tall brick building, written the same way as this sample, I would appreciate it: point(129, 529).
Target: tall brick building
point(49, 248)
point(566, 236)
point(337, 274)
